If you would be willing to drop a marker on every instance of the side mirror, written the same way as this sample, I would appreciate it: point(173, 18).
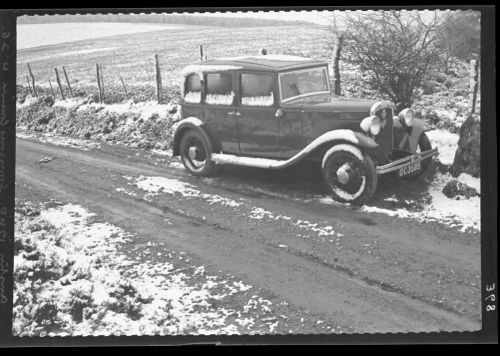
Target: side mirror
point(279, 113)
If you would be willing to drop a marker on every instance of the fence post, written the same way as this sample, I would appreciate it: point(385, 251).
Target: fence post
point(29, 85)
point(473, 85)
point(123, 83)
point(158, 79)
point(59, 83)
point(32, 79)
point(51, 89)
point(201, 52)
point(102, 83)
point(98, 82)
point(67, 81)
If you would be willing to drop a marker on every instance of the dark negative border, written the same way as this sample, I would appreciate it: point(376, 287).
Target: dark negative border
point(489, 201)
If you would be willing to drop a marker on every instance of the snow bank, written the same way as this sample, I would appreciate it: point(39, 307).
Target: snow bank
point(144, 125)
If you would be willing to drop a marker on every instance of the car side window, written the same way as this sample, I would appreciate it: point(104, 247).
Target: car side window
point(257, 89)
point(219, 89)
point(193, 89)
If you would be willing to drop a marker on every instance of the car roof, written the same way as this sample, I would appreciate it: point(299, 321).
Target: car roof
point(264, 62)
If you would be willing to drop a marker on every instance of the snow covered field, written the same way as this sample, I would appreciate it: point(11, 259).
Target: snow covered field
point(35, 35)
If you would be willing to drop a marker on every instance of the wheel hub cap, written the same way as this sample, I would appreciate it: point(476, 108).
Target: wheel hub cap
point(343, 174)
point(192, 152)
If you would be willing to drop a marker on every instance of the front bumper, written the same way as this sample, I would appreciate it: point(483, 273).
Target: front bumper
point(406, 161)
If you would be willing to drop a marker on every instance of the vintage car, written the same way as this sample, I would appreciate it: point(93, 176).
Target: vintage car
point(272, 111)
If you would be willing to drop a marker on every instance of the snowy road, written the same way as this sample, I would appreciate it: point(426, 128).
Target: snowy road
point(367, 272)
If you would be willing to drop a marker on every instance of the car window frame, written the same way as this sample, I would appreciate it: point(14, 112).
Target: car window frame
point(284, 101)
point(240, 82)
point(205, 92)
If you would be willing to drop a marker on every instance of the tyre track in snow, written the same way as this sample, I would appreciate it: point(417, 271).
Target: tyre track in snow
point(343, 282)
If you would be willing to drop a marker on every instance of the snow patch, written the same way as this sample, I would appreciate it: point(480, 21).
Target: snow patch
point(470, 181)
point(258, 100)
point(200, 69)
point(258, 213)
point(270, 57)
point(157, 185)
point(464, 214)
point(193, 97)
point(447, 144)
point(220, 99)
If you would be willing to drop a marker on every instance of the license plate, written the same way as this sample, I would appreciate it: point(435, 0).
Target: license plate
point(404, 171)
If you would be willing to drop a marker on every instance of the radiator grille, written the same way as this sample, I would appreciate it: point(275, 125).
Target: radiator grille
point(384, 138)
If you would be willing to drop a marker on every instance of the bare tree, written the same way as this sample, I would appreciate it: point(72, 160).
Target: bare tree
point(394, 50)
point(462, 35)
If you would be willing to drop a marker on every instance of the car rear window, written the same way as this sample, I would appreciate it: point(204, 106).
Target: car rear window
point(193, 89)
point(257, 89)
point(219, 89)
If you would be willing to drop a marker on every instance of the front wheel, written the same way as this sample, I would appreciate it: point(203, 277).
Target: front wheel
point(350, 174)
point(196, 153)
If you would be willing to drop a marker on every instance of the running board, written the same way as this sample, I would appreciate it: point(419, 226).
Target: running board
point(221, 158)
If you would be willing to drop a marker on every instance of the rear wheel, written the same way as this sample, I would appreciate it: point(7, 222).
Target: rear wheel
point(350, 174)
point(196, 153)
point(424, 144)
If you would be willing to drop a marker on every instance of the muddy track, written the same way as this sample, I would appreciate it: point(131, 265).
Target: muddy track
point(370, 273)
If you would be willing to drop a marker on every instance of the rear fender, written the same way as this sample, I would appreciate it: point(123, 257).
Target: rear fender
point(192, 123)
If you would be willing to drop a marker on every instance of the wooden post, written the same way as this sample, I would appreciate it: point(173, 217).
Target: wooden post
point(158, 79)
point(102, 84)
point(123, 83)
point(99, 82)
point(473, 85)
point(201, 52)
point(29, 85)
point(336, 67)
point(32, 79)
point(51, 89)
point(67, 81)
point(59, 84)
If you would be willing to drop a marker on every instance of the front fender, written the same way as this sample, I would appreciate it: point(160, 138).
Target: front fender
point(412, 134)
point(335, 137)
point(191, 123)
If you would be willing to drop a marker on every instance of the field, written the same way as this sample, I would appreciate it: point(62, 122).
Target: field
point(35, 35)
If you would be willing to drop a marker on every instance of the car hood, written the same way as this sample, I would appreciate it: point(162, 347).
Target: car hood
point(332, 103)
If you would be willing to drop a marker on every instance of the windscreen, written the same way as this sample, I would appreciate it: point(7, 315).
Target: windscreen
point(303, 82)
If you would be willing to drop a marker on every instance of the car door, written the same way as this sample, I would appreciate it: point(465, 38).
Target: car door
point(219, 109)
point(256, 118)
point(290, 131)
